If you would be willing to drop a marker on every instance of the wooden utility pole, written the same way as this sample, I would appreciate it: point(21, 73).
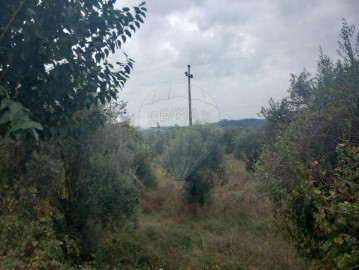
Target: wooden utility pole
point(189, 75)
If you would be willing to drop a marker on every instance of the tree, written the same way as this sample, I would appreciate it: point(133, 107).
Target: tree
point(248, 146)
point(193, 154)
point(54, 84)
point(310, 169)
point(228, 139)
point(108, 191)
point(200, 183)
point(53, 60)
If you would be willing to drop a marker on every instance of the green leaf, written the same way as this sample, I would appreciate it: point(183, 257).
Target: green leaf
point(138, 17)
point(25, 124)
point(128, 33)
point(36, 125)
point(36, 135)
point(15, 107)
point(133, 28)
point(5, 103)
point(5, 117)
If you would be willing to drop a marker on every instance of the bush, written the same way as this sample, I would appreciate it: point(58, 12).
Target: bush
point(107, 188)
point(248, 146)
point(59, 198)
point(311, 169)
point(33, 231)
point(144, 167)
point(193, 154)
point(200, 183)
point(228, 139)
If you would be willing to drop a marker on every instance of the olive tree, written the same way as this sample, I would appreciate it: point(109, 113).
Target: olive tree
point(311, 169)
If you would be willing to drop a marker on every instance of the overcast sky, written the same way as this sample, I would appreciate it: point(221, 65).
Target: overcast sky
point(241, 52)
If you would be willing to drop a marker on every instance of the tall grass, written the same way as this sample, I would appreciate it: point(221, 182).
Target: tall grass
point(234, 233)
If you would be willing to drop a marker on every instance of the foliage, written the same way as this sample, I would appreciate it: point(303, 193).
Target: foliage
point(145, 170)
point(200, 183)
point(194, 155)
point(82, 188)
point(231, 234)
point(279, 115)
point(103, 193)
point(54, 81)
point(243, 123)
point(248, 146)
point(15, 120)
point(53, 59)
point(147, 248)
point(183, 149)
point(45, 174)
point(228, 139)
point(311, 170)
point(32, 228)
point(107, 189)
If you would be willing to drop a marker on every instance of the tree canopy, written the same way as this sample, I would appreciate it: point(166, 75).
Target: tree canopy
point(55, 80)
point(53, 60)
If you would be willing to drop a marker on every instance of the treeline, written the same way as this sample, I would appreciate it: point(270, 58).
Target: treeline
point(306, 158)
point(242, 123)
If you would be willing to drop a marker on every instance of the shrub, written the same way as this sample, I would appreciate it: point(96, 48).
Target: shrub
point(228, 139)
point(248, 146)
point(107, 189)
point(200, 183)
point(33, 234)
point(194, 155)
point(311, 169)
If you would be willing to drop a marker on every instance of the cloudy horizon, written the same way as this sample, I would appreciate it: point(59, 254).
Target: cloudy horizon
point(241, 52)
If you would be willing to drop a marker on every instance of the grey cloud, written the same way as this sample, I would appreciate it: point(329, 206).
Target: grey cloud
point(242, 52)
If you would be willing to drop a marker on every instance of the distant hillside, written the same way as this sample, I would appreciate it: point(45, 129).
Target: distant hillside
point(243, 123)
point(224, 123)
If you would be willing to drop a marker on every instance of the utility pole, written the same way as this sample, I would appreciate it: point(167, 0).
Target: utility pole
point(189, 75)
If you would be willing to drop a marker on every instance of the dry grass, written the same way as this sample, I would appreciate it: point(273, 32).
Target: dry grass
point(234, 233)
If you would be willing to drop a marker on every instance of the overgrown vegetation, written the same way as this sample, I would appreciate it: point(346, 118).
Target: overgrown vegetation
point(248, 146)
point(68, 171)
point(193, 155)
point(235, 232)
point(79, 188)
point(199, 185)
point(311, 168)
